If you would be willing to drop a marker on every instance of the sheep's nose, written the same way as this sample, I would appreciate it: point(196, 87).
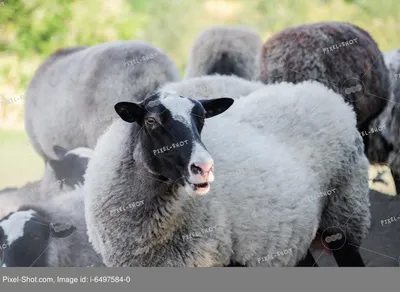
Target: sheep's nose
point(201, 167)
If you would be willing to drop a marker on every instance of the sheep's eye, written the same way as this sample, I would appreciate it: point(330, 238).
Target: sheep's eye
point(151, 121)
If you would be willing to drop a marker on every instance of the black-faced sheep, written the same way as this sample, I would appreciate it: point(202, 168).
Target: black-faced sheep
point(225, 50)
point(64, 174)
point(76, 88)
point(69, 169)
point(48, 234)
point(340, 55)
point(270, 152)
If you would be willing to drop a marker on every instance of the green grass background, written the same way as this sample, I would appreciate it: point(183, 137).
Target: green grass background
point(19, 163)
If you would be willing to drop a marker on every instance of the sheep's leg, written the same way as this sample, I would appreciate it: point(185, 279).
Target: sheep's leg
point(308, 261)
point(345, 253)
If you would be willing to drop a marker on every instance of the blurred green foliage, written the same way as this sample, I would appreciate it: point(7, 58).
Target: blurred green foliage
point(30, 30)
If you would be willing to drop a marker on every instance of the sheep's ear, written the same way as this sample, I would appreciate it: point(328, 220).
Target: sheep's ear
point(130, 112)
point(216, 106)
point(59, 151)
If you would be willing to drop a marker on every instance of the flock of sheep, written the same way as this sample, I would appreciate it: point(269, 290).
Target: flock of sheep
point(258, 157)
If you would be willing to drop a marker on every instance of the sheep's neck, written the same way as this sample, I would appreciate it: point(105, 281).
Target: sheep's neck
point(164, 211)
point(163, 214)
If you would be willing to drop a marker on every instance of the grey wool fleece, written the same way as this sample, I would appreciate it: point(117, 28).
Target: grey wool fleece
point(271, 154)
point(78, 87)
point(226, 50)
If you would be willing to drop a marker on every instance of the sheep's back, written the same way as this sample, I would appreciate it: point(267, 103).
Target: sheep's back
point(261, 185)
point(215, 86)
point(302, 53)
point(79, 90)
point(316, 125)
point(230, 50)
point(321, 134)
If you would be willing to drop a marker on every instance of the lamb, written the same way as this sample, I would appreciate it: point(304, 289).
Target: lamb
point(48, 234)
point(61, 175)
point(253, 221)
point(76, 87)
point(225, 50)
point(340, 55)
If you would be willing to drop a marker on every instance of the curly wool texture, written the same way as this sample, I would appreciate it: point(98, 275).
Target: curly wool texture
point(319, 52)
point(214, 86)
point(226, 50)
point(252, 207)
point(78, 87)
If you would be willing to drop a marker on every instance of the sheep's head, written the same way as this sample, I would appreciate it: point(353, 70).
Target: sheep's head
point(70, 167)
point(169, 140)
point(24, 237)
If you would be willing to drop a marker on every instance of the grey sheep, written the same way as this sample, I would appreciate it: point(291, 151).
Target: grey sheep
point(68, 101)
point(253, 214)
point(225, 50)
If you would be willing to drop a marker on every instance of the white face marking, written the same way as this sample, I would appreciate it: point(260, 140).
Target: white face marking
point(14, 226)
point(82, 152)
point(180, 108)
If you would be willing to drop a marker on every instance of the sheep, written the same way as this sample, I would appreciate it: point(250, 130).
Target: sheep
point(66, 172)
point(61, 175)
point(392, 61)
point(216, 86)
point(213, 86)
point(75, 87)
point(48, 234)
point(385, 139)
point(340, 55)
point(225, 50)
point(242, 220)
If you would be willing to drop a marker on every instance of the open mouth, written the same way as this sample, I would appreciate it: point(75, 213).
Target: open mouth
point(201, 188)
